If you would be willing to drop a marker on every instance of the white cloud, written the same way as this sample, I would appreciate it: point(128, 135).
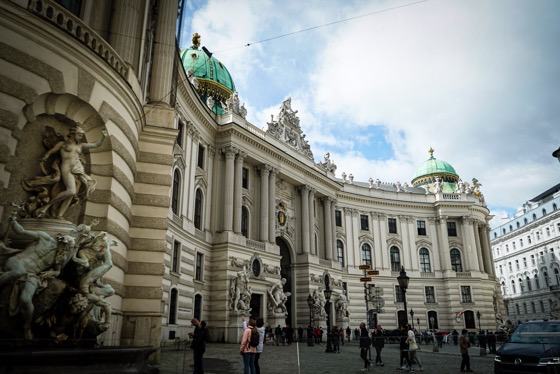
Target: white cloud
point(475, 80)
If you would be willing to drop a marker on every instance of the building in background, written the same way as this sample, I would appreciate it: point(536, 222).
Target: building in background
point(527, 259)
point(214, 217)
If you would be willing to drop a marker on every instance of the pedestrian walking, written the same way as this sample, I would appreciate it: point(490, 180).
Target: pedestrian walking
point(262, 333)
point(278, 334)
point(403, 347)
point(348, 333)
point(246, 350)
point(341, 333)
point(491, 340)
point(300, 334)
point(412, 350)
point(464, 347)
point(199, 337)
point(335, 339)
point(378, 342)
point(365, 342)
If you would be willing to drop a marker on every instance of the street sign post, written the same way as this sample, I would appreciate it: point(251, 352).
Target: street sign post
point(365, 279)
point(373, 272)
point(364, 267)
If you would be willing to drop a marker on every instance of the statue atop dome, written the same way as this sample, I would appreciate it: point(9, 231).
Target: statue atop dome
point(195, 41)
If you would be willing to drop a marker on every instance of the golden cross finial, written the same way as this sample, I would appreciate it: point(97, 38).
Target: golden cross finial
point(196, 40)
point(431, 151)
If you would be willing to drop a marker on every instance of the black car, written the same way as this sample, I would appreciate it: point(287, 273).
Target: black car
point(534, 347)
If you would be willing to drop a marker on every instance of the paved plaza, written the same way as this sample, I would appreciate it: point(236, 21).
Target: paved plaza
point(225, 358)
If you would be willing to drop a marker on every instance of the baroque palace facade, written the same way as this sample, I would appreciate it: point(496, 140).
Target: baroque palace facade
point(527, 259)
point(213, 217)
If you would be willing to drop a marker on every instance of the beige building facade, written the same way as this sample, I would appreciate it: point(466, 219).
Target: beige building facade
point(200, 200)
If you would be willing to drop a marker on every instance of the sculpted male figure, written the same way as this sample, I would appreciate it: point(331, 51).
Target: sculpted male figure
point(42, 259)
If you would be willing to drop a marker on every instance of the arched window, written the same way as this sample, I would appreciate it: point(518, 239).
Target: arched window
point(544, 212)
point(504, 231)
point(504, 288)
point(546, 281)
point(175, 192)
point(198, 209)
point(521, 286)
point(534, 217)
point(425, 266)
point(510, 228)
point(513, 290)
point(366, 254)
point(554, 207)
point(529, 287)
point(518, 224)
point(340, 252)
point(173, 307)
point(395, 259)
point(245, 222)
point(456, 264)
point(557, 276)
point(525, 220)
point(537, 283)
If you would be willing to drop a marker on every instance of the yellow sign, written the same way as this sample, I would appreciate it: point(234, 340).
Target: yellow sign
point(365, 279)
point(364, 267)
point(373, 272)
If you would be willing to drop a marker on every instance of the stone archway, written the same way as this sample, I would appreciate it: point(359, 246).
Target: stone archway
point(286, 272)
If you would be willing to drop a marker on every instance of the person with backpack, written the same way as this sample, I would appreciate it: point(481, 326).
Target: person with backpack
point(365, 342)
point(248, 347)
point(261, 330)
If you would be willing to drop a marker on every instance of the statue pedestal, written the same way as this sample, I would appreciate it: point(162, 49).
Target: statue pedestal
point(276, 319)
point(236, 326)
point(95, 360)
point(342, 322)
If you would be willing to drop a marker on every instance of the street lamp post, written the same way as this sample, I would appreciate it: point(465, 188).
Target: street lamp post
point(478, 317)
point(412, 318)
point(328, 293)
point(310, 338)
point(435, 346)
point(403, 284)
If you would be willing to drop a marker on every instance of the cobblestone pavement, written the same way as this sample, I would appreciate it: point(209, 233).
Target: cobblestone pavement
point(225, 358)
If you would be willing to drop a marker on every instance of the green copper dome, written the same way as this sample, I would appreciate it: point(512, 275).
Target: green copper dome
point(213, 77)
point(426, 174)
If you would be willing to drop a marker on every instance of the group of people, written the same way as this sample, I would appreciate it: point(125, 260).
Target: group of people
point(251, 354)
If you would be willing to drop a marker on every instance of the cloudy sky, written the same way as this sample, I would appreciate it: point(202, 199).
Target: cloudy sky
point(377, 83)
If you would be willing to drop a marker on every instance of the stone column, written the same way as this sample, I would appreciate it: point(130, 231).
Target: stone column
point(377, 252)
point(478, 247)
point(333, 230)
point(470, 249)
point(304, 191)
point(483, 232)
point(432, 231)
point(272, 206)
point(230, 153)
point(164, 52)
point(409, 249)
point(444, 244)
point(312, 247)
point(237, 191)
point(383, 230)
point(192, 147)
point(328, 226)
point(265, 172)
point(128, 13)
point(210, 189)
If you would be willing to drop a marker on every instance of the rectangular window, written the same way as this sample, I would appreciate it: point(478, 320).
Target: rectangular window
point(364, 222)
point(509, 265)
point(529, 239)
point(466, 294)
point(513, 245)
point(245, 178)
point(524, 262)
point(533, 261)
point(501, 270)
point(338, 218)
point(507, 248)
point(430, 294)
point(421, 226)
point(399, 298)
point(198, 267)
point(516, 264)
point(176, 256)
point(200, 156)
point(521, 243)
point(451, 229)
point(392, 225)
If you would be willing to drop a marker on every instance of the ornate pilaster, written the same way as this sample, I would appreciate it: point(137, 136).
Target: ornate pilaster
point(327, 201)
point(237, 191)
point(265, 172)
point(229, 153)
point(304, 191)
point(312, 221)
